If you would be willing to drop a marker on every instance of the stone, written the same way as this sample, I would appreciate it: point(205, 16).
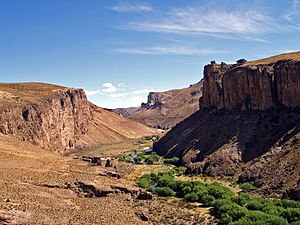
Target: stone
point(258, 87)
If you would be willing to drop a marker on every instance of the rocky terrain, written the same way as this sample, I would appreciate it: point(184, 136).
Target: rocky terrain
point(247, 127)
point(60, 118)
point(125, 112)
point(165, 109)
point(40, 187)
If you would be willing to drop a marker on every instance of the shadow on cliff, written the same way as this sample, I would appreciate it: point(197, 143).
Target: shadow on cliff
point(252, 133)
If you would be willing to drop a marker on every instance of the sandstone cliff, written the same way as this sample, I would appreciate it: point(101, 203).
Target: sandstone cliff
point(165, 109)
point(59, 118)
point(255, 85)
point(248, 125)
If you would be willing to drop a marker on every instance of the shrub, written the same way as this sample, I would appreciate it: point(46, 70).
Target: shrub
point(172, 161)
point(241, 61)
point(247, 186)
point(164, 191)
point(234, 210)
point(166, 180)
point(191, 197)
point(180, 170)
point(207, 199)
point(138, 159)
point(291, 214)
point(149, 160)
point(150, 189)
point(144, 183)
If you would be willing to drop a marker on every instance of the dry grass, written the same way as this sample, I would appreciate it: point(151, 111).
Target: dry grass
point(271, 60)
point(25, 169)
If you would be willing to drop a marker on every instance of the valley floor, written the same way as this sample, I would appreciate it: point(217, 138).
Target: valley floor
point(39, 187)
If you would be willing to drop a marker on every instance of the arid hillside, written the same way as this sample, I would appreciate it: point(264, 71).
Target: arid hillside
point(40, 187)
point(165, 109)
point(60, 118)
point(247, 127)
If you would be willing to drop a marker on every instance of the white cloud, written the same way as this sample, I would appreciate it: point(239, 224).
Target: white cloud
point(109, 88)
point(118, 95)
point(168, 50)
point(292, 15)
point(107, 85)
point(132, 8)
point(198, 21)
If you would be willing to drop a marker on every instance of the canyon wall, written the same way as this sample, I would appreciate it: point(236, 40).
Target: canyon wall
point(251, 86)
point(55, 122)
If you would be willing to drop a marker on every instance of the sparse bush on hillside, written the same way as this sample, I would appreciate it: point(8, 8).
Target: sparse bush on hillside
point(172, 161)
point(241, 61)
point(247, 186)
point(164, 191)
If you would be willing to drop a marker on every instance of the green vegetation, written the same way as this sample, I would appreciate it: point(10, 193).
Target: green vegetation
point(141, 157)
point(228, 207)
point(247, 186)
point(173, 161)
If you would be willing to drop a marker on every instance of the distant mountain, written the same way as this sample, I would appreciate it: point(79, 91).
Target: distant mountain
point(165, 109)
point(125, 112)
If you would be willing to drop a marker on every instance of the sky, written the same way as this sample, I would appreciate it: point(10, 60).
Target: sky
point(118, 51)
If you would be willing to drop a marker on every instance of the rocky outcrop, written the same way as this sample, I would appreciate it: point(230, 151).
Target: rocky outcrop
point(125, 112)
point(60, 118)
point(250, 86)
point(248, 125)
point(165, 109)
point(58, 122)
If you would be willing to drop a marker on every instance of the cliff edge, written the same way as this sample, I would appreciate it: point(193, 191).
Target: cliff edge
point(248, 125)
point(59, 118)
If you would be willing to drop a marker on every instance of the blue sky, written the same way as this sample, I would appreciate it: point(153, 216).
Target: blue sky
point(120, 50)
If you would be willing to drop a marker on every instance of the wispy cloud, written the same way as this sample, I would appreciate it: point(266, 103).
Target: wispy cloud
point(168, 50)
point(132, 8)
point(199, 21)
point(292, 15)
point(117, 91)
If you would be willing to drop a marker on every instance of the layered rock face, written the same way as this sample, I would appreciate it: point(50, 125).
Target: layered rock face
point(256, 87)
point(57, 122)
point(165, 109)
point(60, 118)
point(248, 125)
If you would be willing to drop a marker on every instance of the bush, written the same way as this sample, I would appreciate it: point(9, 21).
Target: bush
point(149, 160)
point(247, 187)
point(291, 214)
point(241, 61)
point(207, 199)
point(138, 159)
point(144, 183)
point(172, 161)
point(191, 197)
point(164, 191)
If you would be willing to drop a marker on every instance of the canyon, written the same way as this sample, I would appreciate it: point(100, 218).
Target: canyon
point(60, 118)
point(247, 126)
point(165, 109)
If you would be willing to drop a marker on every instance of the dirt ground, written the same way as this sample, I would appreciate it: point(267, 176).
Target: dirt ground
point(32, 182)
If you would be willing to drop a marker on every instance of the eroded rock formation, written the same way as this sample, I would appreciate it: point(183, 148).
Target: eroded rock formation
point(248, 125)
point(60, 118)
point(58, 122)
point(250, 86)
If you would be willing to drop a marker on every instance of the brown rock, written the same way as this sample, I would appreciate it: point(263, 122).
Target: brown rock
point(252, 86)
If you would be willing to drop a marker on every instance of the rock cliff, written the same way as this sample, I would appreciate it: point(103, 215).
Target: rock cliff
point(255, 85)
point(165, 109)
point(59, 118)
point(248, 125)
